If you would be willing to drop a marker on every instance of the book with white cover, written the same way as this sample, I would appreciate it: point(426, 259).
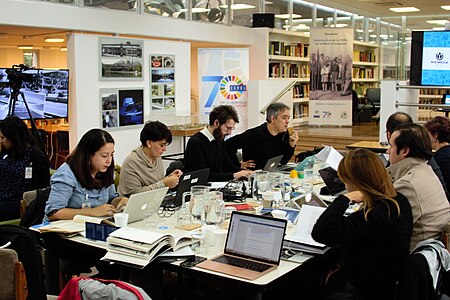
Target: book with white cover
point(139, 246)
point(76, 225)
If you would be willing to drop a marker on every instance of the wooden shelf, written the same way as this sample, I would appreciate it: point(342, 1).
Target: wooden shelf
point(289, 58)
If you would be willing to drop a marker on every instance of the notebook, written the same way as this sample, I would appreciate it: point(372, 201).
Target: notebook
point(199, 177)
point(273, 163)
point(253, 247)
point(332, 181)
point(145, 200)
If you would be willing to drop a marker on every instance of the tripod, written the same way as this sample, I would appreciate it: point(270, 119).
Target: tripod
point(15, 87)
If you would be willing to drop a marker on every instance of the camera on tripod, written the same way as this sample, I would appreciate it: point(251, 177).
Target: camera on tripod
point(16, 76)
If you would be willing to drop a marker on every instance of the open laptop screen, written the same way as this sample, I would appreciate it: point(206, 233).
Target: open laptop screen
point(255, 237)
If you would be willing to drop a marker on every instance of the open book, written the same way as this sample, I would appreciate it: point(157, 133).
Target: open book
point(302, 240)
point(139, 246)
point(76, 225)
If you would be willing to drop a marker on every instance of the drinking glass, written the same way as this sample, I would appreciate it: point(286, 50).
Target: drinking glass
point(258, 183)
point(198, 195)
point(276, 185)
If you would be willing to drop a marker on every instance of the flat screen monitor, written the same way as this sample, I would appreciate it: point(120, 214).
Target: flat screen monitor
point(430, 58)
point(446, 99)
point(47, 94)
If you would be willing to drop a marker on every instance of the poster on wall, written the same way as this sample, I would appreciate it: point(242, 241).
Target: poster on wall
point(223, 76)
point(162, 82)
point(121, 107)
point(120, 59)
point(330, 59)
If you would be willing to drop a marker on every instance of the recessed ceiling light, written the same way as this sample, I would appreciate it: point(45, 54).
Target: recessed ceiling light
point(286, 16)
point(25, 47)
point(239, 6)
point(404, 9)
point(437, 22)
point(438, 28)
point(64, 49)
point(54, 40)
point(446, 7)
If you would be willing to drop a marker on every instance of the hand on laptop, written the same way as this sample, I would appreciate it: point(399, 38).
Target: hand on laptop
point(121, 205)
point(173, 179)
point(243, 173)
point(103, 210)
point(248, 164)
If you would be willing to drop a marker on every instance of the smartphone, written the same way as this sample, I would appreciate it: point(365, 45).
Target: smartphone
point(192, 261)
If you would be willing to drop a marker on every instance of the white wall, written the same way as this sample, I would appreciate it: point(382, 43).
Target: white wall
point(83, 62)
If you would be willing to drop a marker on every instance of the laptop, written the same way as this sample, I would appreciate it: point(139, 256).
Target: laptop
point(253, 246)
point(272, 163)
point(199, 177)
point(145, 200)
point(332, 181)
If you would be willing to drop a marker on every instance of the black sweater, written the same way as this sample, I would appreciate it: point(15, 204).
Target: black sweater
point(201, 153)
point(260, 145)
point(442, 158)
point(372, 250)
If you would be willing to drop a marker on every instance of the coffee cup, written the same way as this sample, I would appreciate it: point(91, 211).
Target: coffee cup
point(121, 219)
point(279, 214)
point(220, 237)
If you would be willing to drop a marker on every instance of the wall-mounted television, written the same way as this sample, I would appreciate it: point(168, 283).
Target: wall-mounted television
point(430, 58)
point(47, 94)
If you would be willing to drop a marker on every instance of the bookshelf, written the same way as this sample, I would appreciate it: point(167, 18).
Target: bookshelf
point(429, 96)
point(365, 66)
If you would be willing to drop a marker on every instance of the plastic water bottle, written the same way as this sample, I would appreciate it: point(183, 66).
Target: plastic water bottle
point(308, 171)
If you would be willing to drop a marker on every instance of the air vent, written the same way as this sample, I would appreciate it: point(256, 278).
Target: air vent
point(390, 3)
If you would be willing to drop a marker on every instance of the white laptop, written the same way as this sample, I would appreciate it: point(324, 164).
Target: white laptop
point(253, 246)
point(145, 200)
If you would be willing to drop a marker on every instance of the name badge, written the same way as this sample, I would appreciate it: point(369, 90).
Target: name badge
point(86, 205)
point(28, 172)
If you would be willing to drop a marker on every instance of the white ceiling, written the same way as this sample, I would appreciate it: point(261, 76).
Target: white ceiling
point(11, 36)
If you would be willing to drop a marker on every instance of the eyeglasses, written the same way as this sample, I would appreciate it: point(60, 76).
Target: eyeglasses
point(229, 128)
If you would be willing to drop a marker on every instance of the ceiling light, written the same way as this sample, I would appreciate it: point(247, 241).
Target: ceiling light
point(64, 49)
point(446, 7)
point(238, 6)
point(54, 40)
point(404, 9)
point(438, 28)
point(437, 22)
point(25, 47)
point(287, 16)
point(196, 10)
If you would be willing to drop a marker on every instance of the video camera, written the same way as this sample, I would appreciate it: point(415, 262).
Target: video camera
point(16, 75)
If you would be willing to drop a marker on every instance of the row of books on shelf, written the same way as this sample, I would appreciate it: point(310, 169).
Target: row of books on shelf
point(285, 49)
point(434, 92)
point(359, 72)
point(364, 55)
point(301, 91)
point(288, 70)
point(301, 110)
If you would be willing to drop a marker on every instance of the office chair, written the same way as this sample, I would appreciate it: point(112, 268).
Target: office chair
point(362, 107)
point(374, 94)
point(14, 282)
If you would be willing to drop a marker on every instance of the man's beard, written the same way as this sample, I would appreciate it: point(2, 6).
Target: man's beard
point(217, 134)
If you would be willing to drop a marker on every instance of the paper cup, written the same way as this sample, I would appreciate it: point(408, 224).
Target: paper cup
point(121, 219)
point(279, 214)
point(220, 236)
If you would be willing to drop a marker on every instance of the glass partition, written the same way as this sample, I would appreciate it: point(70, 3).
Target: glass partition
point(127, 5)
point(165, 8)
point(242, 11)
point(279, 8)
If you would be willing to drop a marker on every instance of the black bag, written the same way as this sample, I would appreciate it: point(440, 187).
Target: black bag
point(24, 242)
point(34, 214)
point(302, 155)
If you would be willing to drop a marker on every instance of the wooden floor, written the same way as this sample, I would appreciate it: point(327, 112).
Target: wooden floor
point(338, 137)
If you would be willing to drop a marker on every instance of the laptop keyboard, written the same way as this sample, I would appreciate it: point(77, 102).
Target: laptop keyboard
point(242, 263)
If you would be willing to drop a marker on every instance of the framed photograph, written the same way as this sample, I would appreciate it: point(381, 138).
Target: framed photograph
point(121, 107)
point(120, 59)
point(162, 77)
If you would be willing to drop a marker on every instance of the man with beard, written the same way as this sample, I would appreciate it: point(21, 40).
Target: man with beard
point(206, 149)
point(261, 143)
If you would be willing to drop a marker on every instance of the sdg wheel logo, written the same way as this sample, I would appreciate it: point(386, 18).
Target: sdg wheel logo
point(231, 87)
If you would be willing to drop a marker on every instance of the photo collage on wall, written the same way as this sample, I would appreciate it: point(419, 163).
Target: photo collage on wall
point(162, 71)
point(121, 107)
point(121, 59)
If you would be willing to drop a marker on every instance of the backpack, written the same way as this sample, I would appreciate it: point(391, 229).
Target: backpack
point(24, 242)
point(34, 214)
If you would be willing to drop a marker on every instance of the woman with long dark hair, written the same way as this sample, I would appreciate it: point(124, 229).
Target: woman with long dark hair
point(23, 166)
point(374, 240)
point(84, 184)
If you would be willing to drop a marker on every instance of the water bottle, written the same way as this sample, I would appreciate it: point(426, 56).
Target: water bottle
point(308, 170)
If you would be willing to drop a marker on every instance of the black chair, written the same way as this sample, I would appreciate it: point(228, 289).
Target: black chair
point(374, 94)
point(363, 108)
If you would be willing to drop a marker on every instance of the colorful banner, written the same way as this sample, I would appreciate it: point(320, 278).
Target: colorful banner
point(330, 59)
point(223, 76)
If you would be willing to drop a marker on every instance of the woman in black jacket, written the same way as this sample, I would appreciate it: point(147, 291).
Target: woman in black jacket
point(375, 239)
point(23, 166)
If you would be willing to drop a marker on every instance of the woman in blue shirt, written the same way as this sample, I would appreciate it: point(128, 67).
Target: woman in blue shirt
point(84, 184)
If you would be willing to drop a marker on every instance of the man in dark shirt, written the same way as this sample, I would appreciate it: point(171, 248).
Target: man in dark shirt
point(206, 149)
point(261, 143)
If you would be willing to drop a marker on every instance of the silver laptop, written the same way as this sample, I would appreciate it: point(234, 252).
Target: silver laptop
point(145, 200)
point(272, 163)
point(252, 249)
